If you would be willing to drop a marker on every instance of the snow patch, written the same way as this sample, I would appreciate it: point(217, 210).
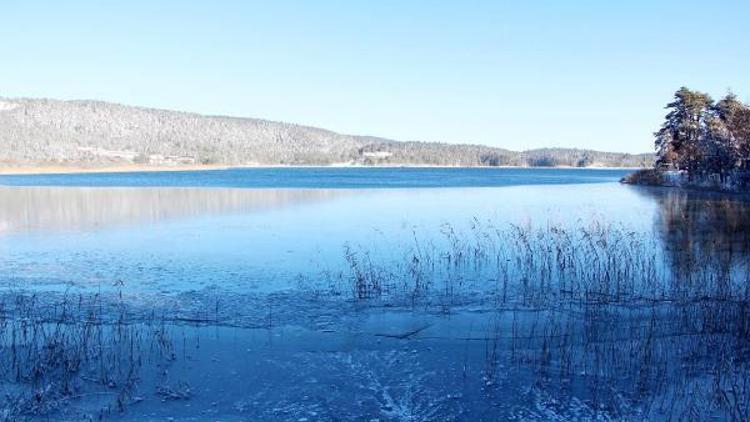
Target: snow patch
point(7, 105)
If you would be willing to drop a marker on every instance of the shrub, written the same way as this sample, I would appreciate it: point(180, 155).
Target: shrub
point(645, 177)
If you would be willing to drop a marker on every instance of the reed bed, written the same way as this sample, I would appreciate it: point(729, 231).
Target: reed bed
point(524, 266)
point(636, 327)
point(78, 348)
point(625, 317)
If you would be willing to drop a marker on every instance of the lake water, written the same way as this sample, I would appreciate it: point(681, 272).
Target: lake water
point(168, 231)
point(326, 178)
point(256, 247)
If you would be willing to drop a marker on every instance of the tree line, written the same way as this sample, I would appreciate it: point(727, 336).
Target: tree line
point(95, 133)
point(704, 138)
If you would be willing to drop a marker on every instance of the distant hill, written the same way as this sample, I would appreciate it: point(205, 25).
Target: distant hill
point(95, 133)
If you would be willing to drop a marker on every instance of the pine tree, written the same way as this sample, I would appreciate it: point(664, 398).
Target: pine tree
point(735, 118)
point(740, 128)
point(681, 140)
point(717, 151)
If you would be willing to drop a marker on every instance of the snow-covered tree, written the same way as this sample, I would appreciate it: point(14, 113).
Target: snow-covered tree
point(680, 141)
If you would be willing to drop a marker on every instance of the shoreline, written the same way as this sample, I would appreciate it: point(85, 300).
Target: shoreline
point(670, 179)
point(134, 168)
point(138, 168)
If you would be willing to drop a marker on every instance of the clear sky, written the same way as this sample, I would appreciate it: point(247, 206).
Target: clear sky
point(514, 74)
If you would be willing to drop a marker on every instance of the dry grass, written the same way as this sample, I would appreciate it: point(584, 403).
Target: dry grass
point(597, 307)
point(648, 177)
point(77, 347)
point(598, 310)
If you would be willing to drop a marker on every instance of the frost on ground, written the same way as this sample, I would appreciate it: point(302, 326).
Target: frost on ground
point(388, 385)
point(73, 357)
point(587, 324)
point(7, 105)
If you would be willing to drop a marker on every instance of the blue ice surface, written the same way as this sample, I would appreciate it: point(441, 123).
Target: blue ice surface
point(327, 177)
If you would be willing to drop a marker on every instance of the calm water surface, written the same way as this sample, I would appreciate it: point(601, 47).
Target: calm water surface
point(169, 231)
point(326, 177)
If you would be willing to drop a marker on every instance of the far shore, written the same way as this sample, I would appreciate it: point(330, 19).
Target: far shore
point(132, 168)
point(123, 168)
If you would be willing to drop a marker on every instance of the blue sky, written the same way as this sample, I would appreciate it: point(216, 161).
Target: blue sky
point(590, 74)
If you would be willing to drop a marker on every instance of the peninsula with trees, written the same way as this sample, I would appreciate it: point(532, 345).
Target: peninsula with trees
point(701, 144)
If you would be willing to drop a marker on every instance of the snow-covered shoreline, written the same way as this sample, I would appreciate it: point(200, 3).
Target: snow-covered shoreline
point(736, 182)
point(61, 169)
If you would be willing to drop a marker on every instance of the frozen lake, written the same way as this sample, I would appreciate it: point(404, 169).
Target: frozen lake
point(383, 294)
point(90, 229)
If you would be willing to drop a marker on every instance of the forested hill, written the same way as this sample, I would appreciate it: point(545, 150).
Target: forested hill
point(95, 133)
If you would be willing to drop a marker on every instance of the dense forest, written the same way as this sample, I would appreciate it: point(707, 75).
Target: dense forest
point(94, 133)
point(702, 143)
